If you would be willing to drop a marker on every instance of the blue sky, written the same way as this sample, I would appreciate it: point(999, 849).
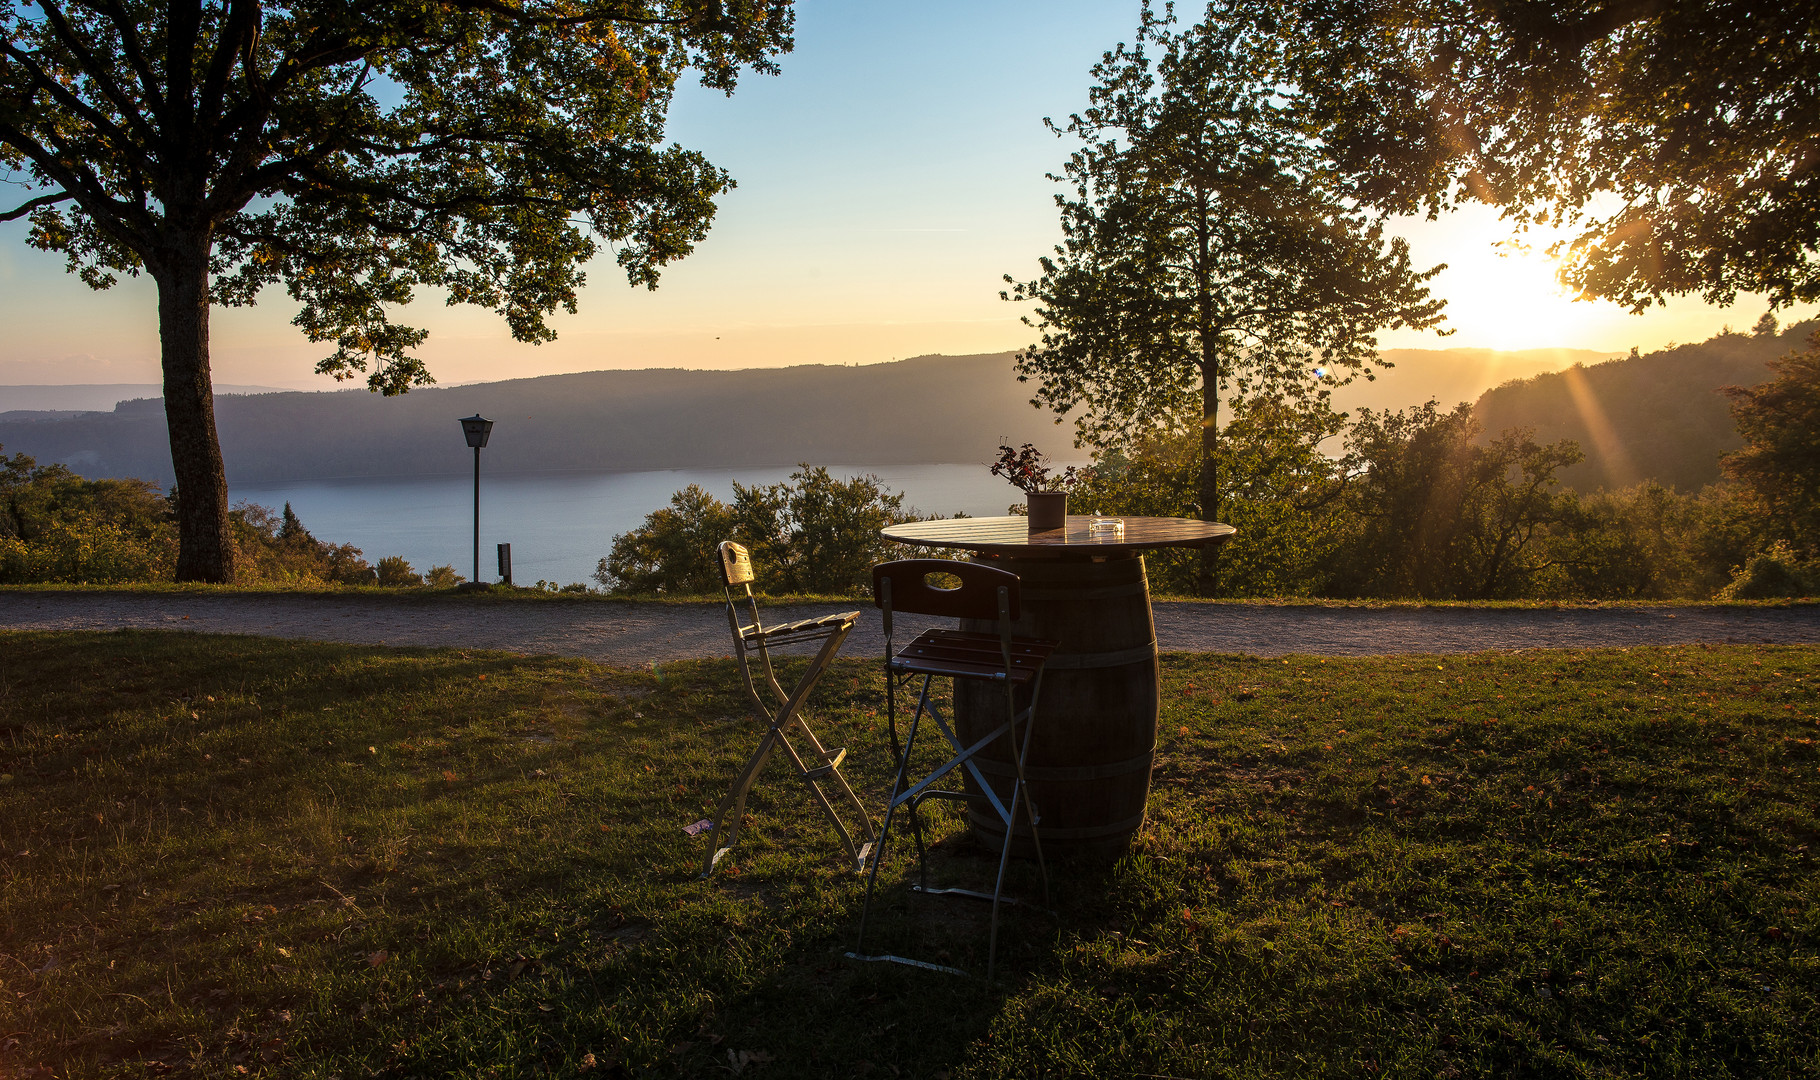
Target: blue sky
point(887, 179)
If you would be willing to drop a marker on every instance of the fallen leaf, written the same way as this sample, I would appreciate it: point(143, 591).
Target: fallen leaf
point(378, 958)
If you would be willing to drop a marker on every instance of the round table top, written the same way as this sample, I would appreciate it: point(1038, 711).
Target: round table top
point(1012, 535)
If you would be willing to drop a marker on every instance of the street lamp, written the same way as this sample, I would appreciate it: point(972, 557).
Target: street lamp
point(476, 428)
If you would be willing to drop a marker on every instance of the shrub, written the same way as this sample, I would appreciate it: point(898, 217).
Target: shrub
point(394, 572)
point(57, 526)
point(1775, 572)
point(442, 577)
point(812, 533)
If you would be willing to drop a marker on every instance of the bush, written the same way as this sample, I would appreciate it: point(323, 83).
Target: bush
point(442, 577)
point(810, 534)
point(1775, 572)
point(56, 526)
point(394, 572)
point(277, 549)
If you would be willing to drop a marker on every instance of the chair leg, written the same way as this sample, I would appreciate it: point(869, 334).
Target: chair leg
point(884, 835)
point(736, 802)
point(1036, 839)
point(998, 887)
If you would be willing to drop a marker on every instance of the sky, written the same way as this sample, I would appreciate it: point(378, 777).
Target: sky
point(888, 179)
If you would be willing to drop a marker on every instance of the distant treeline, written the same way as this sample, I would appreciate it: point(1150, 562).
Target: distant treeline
point(1660, 416)
point(1421, 503)
point(56, 526)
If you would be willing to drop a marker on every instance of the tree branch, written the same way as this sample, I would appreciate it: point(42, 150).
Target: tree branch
point(94, 69)
point(237, 39)
point(87, 191)
point(32, 204)
point(104, 126)
point(134, 51)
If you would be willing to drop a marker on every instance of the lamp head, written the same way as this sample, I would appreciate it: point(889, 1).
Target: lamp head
point(476, 428)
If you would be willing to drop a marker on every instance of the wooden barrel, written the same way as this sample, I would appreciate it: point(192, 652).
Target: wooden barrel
point(1095, 737)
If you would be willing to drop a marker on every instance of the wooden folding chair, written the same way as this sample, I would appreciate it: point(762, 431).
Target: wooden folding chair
point(823, 764)
point(986, 594)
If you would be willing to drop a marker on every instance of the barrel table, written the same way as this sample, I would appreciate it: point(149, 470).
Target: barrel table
point(1095, 734)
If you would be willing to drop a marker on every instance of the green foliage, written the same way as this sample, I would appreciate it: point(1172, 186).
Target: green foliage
point(1205, 255)
point(277, 549)
point(1283, 497)
point(327, 860)
point(1780, 462)
point(1647, 542)
point(1437, 515)
point(56, 526)
point(357, 156)
point(1776, 572)
point(809, 534)
point(1658, 416)
point(394, 572)
point(673, 551)
point(442, 577)
point(1675, 140)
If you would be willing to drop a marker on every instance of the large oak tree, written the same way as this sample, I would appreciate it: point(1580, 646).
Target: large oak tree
point(1206, 254)
point(355, 151)
point(1678, 142)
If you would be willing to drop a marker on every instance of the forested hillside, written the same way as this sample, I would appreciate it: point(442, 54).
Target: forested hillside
point(1658, 416)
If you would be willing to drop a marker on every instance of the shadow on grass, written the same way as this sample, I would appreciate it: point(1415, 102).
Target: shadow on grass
point(235, 856)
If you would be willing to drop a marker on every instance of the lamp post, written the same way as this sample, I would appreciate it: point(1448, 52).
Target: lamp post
point(476, 428)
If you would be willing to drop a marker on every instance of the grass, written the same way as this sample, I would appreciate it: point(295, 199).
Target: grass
point(526, 594)
point(237, 856)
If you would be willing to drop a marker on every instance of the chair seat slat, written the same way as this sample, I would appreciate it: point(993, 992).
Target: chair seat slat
point(961, 654)
point(819, 625)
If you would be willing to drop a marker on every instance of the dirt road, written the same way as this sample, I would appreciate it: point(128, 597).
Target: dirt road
point(635, 634)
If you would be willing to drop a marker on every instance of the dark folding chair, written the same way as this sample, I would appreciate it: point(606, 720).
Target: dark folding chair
point(822, 764)
point(990, 595)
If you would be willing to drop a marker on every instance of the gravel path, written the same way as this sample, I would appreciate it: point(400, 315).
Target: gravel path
point(632, 634)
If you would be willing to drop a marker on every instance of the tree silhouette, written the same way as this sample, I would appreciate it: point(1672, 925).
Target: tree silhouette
point(1677, 139)
point(355, 151)
point(1205, 253)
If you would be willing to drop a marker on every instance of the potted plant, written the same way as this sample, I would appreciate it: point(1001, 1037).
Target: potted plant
point(1045, 495)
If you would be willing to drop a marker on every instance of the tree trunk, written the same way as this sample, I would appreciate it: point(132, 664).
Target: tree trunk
point(205, 549)
point(1207, 574)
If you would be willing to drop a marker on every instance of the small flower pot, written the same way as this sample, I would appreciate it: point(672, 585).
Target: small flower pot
point(1048, 510)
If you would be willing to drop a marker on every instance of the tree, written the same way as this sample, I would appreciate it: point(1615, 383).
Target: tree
point(808, 534)
point(355, 153)
point(673, 551)
point(1437, 515)
point(816, 534)
point(1780, 462)
point(1677, 139)
point(1282, 492)
point(1204, 254)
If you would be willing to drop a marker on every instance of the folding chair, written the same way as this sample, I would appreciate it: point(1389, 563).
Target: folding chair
point(823, 764)
point(987, 594)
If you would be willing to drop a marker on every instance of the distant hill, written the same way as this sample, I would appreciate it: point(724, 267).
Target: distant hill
point(925, 410)
point(96, 397)
point(1656, 416)
point(1452, 375)
point(1662, 414)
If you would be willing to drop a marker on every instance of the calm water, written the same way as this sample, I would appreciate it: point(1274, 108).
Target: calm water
point(559, 526)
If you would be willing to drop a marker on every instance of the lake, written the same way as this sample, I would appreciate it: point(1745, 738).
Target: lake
point(561, 524)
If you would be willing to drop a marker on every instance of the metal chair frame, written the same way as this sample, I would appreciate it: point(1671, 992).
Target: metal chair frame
point(985, 593)
point(756, 637)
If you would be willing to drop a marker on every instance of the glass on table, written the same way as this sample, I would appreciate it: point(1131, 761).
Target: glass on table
point(1105, 528)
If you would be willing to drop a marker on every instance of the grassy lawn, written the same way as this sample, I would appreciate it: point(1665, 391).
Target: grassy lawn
point(234, 856)
point(524, 594)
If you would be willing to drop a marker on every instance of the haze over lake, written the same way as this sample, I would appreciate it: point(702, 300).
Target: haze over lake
point(561, 524)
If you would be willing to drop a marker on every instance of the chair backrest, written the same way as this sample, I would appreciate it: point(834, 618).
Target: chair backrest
point(976, 597)
point(735, 564)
